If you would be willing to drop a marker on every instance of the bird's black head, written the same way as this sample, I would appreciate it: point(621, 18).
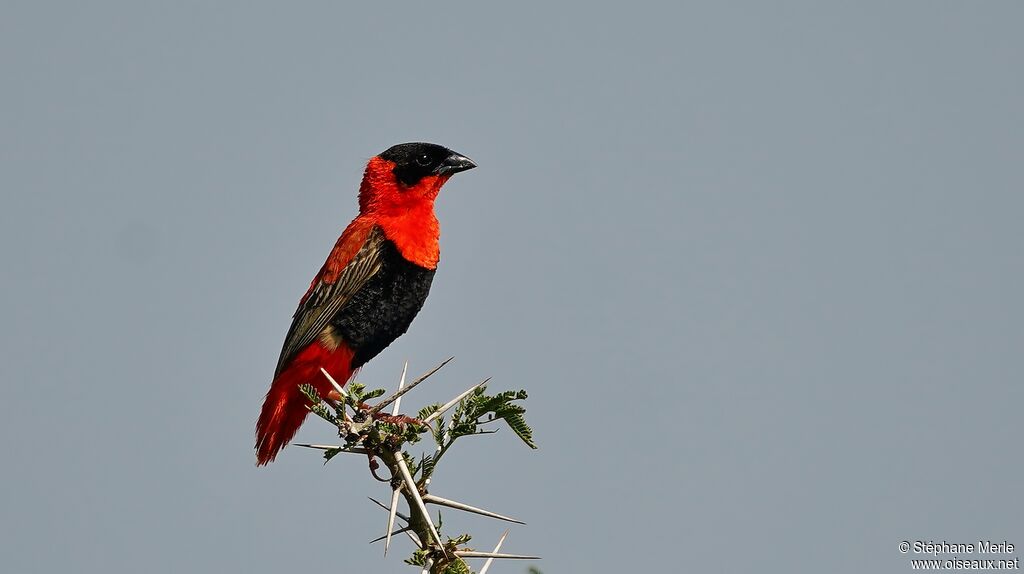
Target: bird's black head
point(414, 161)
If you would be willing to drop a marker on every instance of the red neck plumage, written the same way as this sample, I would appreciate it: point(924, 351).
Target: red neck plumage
point(404, 213)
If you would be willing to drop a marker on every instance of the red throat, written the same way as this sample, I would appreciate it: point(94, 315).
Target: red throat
point(405, 213)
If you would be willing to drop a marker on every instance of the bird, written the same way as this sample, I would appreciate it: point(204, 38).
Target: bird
point(373, 283)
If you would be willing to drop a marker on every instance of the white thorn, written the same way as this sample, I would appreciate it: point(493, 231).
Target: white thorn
point(452, 402)
point(399, 531)
point(337, 387)
point(475, 554)
point(391, 519)
point(411, 386)
point(408, 530)
point(381, 504)
point(401, 383)
point(460, 506)
point(426, 567)
point(411, 485)
point(496, 549)
point(353, 450)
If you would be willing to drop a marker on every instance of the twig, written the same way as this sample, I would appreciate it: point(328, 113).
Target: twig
point(399, 531)
point(487, 564)
point(476, 554)
point(414, 493)
point(341, 449)
point(461, 506)
point(382, 439)
point(452, 402)
point(376, 409)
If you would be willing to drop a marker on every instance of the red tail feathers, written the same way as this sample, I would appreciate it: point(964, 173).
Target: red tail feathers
point(284, 409)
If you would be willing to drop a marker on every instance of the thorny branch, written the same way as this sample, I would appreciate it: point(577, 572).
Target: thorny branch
point(368, 432)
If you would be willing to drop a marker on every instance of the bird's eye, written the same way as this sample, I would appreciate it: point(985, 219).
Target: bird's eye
point(423, 159)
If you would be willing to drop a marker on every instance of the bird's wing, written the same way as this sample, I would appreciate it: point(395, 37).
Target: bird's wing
point(356, 258)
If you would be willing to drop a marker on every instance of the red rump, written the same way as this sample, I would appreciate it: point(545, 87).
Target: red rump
point(284, 409)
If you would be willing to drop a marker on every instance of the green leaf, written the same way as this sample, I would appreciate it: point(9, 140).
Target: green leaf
point(439, 431)
point(418, 558)
point(317, 405)
point(355, 393)
point(428, 410)
point(427, 465)
point(517, 423)
point(498, 406)
point(374, 394)
point(310, 392)
point(458, 567)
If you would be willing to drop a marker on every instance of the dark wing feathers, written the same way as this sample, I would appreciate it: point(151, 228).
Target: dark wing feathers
point(326, 299)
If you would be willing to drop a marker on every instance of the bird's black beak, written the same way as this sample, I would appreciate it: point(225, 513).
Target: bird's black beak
point(454, 163)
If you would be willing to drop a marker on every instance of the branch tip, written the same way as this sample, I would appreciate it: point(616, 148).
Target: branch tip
point(487, 564)
point(391, 519)
point(467, 508)
point(498, 555)
point(401, 383)
point(337, 387)
point(454, 401)
point(395, 396)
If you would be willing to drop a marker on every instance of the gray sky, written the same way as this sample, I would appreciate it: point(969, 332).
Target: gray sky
point(760, 269)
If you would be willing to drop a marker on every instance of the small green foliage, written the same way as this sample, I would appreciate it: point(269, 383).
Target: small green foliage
point(428, 410)
point(475, 410)
point(317, 405)
point(440, 430)
point(500, 406)
point(517, 423)
point(389, 428)
point(381, 435)
point(310, 392)
point(418, 558)
point(357, 394)
point(374, 394)
point(355, 389)
point(426, 466)
point(457, 567)
point(413, 432)
point(410, 461)
point(320, 409)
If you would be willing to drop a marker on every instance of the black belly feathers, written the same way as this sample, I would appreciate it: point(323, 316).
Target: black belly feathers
point(384, 307)
point(369, 305)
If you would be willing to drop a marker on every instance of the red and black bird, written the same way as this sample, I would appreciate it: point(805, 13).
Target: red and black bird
point(372, 285)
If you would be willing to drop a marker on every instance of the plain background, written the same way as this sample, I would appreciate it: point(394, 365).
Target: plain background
point(759, 266)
